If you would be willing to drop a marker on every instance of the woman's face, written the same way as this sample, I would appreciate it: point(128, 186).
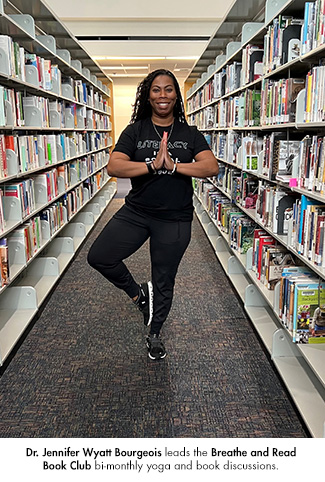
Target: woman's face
point(162, 95)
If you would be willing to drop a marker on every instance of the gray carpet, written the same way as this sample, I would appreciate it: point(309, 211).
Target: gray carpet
point(83, 370)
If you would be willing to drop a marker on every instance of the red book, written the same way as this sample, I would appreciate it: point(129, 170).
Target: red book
point(263, 240)
point(9, 142)
point(257, 234)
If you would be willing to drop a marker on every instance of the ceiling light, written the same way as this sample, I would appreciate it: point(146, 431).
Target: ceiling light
point(184, 57)
point(125, 68)
point(129, 58)
point(113, 75)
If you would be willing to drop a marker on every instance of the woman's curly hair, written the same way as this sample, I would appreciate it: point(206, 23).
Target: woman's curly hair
point(142, 107)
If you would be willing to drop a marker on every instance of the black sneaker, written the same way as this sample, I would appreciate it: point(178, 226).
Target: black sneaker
point(156, 349)
point(145, 302)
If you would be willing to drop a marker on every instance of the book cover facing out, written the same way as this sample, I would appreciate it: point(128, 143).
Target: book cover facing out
point(309, 313)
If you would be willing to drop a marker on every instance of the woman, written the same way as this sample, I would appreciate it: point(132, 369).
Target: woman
point(156, 150)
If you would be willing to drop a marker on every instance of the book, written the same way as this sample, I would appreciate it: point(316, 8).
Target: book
point(4, 262)
point(245, 236)
point(309, 316)
point(263, 240)
point(277, 258)
point(290, 282)
point(286, 154)
point(3, 158)
point(293, 87)
point(257, 233)
point(282, 200)
point(2, 217)
point(292, 31)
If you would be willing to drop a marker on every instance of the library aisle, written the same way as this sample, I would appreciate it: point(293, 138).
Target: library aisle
point(83, 370)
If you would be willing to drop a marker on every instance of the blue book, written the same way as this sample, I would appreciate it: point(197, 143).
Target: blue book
point(304, 202)
point(305, 28)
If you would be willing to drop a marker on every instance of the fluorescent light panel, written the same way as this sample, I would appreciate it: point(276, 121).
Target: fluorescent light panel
point(185, 57)
point(129, 58)
point(113, 75)
point(125, 68)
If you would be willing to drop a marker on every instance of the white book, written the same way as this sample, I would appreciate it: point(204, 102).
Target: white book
point(22, 64)
point(6, 47)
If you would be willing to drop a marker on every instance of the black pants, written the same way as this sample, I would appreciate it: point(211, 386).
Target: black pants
point(124, 234)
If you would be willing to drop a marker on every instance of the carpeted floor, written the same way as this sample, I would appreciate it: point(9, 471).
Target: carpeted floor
point(83, 369)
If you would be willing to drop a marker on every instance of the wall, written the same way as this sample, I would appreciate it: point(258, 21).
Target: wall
point(124, 97)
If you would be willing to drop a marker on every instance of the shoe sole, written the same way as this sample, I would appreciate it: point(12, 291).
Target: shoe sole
point(157, 358)
point(150, 294)
point(153, 357)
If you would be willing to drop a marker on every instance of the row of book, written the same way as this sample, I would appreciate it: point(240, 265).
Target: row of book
point(275, 103)
point(44, 187)
point(279, 100)
point(37, 151)
point(223, 82)
point(238, 111)
point(279, 156)
point(85, 94)
point(15, 59)
point(227, 216)
point(243, 233)
point(300, 299)
point(314, 110)
point(233, 77)
point(287, 37)
point(14, 105)
point(274, 207)
point(306, 229)
point(28, 236)
point(313, 32)
point(225, 146)
point(257, 59)
point(281, 159)
point(299, 219)
point(279, 153)
point(301, 305)
point(277, 49)
point(252, 63)
point(311, 165)
point(230, 78)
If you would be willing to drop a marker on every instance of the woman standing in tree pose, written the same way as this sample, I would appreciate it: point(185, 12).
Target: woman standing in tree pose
point(156, 151)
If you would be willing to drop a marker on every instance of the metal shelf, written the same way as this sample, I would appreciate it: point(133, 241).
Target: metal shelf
point(37, 29)
point(20, 303)
point(301, 367)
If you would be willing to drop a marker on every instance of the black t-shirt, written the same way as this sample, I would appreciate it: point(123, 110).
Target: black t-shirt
point(161, 195)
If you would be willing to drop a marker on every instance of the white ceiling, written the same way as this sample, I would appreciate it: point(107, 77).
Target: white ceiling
point(142, 18)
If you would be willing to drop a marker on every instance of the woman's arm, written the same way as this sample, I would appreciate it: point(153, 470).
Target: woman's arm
point(120, 165)
point(205, 165)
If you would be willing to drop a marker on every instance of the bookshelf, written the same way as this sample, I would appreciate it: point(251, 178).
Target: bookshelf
point(55, 136)
point(224, 118)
